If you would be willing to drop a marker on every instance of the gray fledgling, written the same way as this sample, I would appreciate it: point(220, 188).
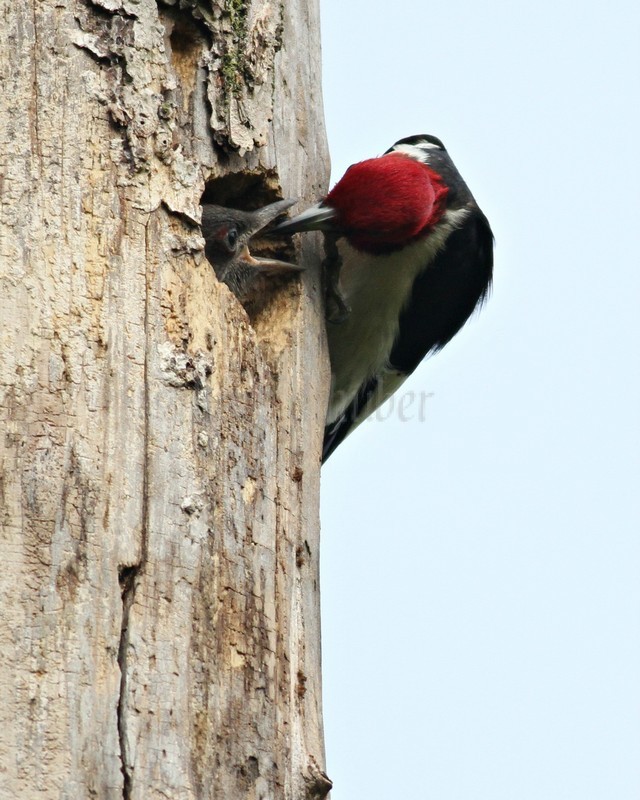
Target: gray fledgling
point(228, 233)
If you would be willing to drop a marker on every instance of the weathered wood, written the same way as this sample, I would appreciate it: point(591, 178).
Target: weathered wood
point(159, 632)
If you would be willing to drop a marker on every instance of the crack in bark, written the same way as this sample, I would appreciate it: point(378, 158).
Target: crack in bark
point(126, 579)
point(129, 574)
point(37, 140)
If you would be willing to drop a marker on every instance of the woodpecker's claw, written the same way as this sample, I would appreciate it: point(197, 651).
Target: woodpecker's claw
point(336, 307)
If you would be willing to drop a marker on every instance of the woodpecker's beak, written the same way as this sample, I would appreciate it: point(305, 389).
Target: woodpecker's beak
point(261, 217)
point(316, 218)
point(268, 266)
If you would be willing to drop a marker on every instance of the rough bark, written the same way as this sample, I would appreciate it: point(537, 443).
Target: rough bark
point(159, 631)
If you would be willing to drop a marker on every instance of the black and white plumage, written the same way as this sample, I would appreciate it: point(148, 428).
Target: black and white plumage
point(415, 259)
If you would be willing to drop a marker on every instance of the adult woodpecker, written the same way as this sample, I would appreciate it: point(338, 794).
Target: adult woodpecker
point(228, 232)
point(415, 258)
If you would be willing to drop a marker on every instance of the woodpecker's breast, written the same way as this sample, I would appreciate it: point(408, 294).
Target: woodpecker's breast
point(376, 287)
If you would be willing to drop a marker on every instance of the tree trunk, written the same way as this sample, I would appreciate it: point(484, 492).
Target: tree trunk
point(160, 446)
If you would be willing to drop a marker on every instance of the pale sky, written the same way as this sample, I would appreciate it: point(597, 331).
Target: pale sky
point(481, 554)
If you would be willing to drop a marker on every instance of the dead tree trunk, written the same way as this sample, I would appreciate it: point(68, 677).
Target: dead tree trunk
point(159, 631)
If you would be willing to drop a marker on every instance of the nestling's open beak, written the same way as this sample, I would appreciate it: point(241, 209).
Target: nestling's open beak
point(261, 218)
point(268, 266)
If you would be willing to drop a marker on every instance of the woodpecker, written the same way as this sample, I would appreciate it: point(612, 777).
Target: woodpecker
point(413, 253)
point(227, 233)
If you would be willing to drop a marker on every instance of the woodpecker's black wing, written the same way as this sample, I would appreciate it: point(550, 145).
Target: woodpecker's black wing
point(335, 432)
point(446, 294)
point(442, 299)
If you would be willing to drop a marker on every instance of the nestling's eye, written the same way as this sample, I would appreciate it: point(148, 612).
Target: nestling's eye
point(232, 239)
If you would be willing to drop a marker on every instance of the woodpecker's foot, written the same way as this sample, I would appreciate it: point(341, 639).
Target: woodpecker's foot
point(336, 307)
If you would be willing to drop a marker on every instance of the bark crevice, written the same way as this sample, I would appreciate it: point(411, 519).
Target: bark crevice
point(127, 580)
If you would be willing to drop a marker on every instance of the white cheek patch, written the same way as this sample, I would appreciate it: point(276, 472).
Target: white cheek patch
point(418, 152)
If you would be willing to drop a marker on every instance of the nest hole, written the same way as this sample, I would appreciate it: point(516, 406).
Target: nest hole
point(248, 191)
